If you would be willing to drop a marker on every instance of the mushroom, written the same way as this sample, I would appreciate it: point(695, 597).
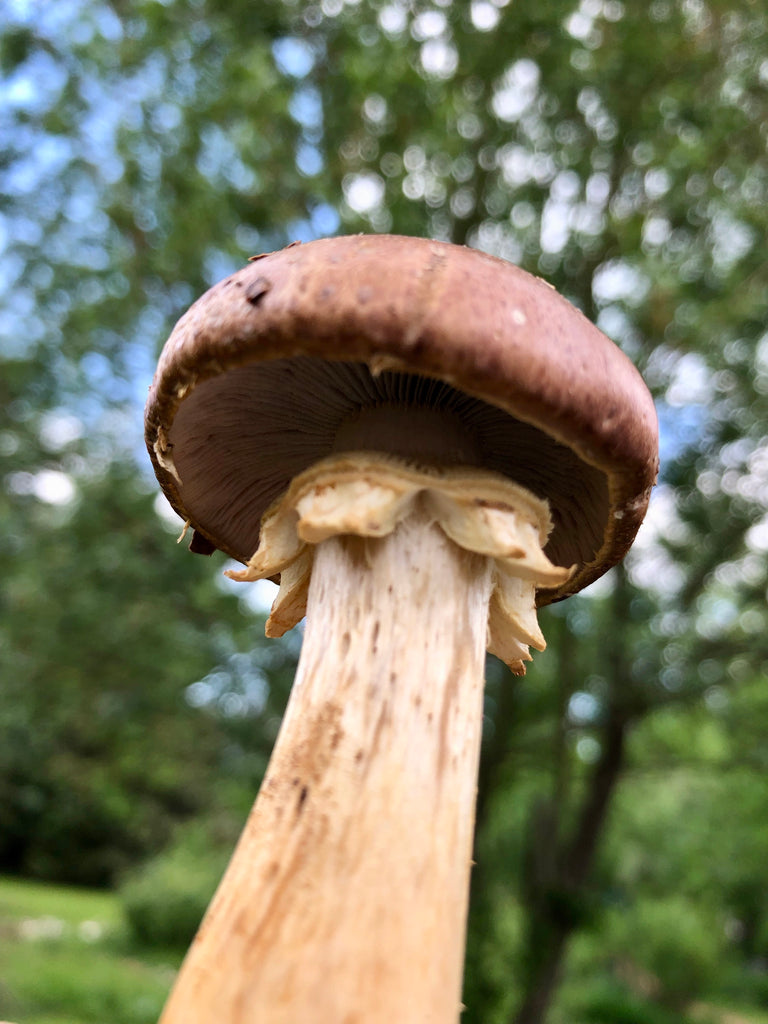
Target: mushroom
point(423, 443)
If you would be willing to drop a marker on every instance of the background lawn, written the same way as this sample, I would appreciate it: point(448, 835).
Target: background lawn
point(65, 959)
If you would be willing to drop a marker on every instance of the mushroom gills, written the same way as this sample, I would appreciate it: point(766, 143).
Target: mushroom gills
point(239, 438)
point(367, 495)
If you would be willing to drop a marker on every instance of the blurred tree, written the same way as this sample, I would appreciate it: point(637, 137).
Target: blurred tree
point(109, 733)
point(617, 149)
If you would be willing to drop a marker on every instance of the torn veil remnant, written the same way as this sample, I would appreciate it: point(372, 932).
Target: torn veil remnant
point(369, 495)
point(423, 443)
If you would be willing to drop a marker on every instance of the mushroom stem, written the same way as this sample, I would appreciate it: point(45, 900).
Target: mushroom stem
point(346, 898)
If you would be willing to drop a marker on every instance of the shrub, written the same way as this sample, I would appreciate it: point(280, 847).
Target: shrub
point(164, 901)
point(675, 941)
point(614, 1005)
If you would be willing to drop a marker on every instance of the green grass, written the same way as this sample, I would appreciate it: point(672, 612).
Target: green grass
point(23, 899)
point(64, 959)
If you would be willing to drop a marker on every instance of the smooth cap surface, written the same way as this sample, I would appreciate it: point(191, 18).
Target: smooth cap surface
point(266, 370)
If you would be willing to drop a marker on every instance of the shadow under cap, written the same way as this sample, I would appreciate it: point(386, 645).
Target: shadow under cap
point(265, 372)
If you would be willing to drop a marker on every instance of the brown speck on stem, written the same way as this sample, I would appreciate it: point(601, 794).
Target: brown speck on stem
point(302, 797)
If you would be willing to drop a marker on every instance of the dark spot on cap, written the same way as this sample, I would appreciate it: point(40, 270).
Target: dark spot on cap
point(256, 290)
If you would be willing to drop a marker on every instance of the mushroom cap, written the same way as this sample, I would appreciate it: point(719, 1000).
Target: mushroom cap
point(237, 405)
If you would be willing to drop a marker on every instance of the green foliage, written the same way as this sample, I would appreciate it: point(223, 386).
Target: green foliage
point(677, 943)
point(164, 901)
point(744, 985)
point(165, 904)
point(99, 652)
point(612, 1004)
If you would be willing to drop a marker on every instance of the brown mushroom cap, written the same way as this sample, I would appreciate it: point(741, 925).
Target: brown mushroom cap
point(262, 373)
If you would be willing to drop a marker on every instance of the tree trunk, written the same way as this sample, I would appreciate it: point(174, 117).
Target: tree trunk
point(560, 871)
point(555, 909)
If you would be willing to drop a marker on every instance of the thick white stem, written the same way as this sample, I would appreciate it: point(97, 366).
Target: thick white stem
point(346, 898)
